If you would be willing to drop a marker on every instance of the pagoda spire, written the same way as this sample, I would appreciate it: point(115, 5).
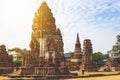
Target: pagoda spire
point(43, 22)
point(77, 39)
point(77, 46)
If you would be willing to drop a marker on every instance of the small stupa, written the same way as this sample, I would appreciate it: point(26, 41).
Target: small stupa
point(76, 61)
point(6, 62)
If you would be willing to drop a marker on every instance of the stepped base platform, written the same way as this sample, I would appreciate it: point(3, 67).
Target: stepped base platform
point(91, 67)
point(43, 71)
point(40, 77)
point(54, 77)
point(6, 70)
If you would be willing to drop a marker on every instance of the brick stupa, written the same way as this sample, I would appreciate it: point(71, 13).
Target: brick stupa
point(5, 61)
point(82, 57)
point(87, 59)
point(76, 61)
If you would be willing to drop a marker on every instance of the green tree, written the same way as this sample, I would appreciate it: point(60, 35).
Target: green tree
point(98, 58)
point(22, 52)
point(106, 56)
point(116, 47)
point(118, 38)
point(17, 62)
point(71, 53)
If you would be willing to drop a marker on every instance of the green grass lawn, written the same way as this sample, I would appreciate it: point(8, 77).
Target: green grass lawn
point(91, 73)
point(115, 77)
point(3, 78)
point(112, 77)
point(6, 78)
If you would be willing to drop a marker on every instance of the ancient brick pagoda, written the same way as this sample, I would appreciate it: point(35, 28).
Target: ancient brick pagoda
point(46, 54)
point(6, 63)
point(87, 60)
point(76, 61)
point(82, 58)
point(77, 51)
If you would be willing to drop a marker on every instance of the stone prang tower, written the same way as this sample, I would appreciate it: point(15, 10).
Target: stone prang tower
point(87, 56)
point(46, 40)
point(46, 54)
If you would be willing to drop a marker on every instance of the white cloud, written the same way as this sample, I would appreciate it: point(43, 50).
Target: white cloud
point(72, 16)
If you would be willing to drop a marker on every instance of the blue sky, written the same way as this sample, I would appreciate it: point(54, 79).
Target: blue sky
point(98, 20)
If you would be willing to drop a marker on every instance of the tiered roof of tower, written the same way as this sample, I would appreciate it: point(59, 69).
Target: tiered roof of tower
point(87, 46)
point(44, 22)
point(77, 46)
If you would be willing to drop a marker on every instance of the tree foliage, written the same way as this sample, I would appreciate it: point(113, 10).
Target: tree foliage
point(116, 47)
point(106, 56)
point(71, 53)
point(98, 58)
point(18, 62)
point(23, 52)
point(118, 38)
